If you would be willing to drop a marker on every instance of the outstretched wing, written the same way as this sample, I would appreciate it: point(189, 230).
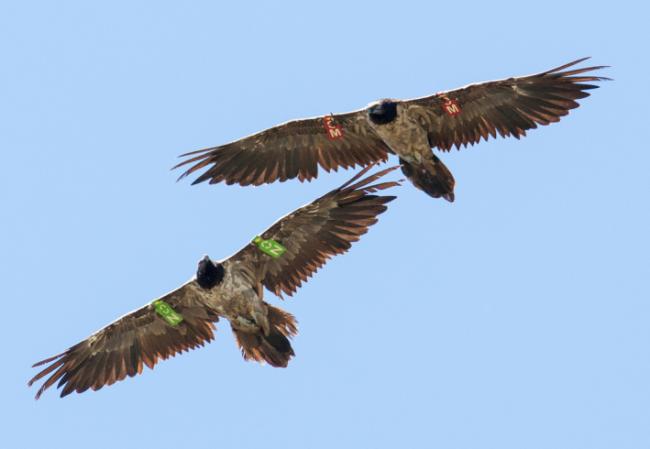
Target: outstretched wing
point(316, 232)
point(142, 336)
point(293, 149)
point(509, 107)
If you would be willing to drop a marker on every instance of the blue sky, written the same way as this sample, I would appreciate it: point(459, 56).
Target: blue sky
point(516, 317)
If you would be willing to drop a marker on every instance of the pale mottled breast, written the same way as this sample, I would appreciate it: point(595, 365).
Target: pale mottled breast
point(403, 134)
point(236, 292)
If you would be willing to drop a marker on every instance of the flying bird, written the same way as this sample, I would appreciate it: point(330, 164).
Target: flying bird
point(406, 128)
point(280, 260)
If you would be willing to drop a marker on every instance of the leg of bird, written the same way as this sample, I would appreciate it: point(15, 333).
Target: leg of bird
point(260, 315)
point(261, 320)
point(244, 324)
point(259, 289)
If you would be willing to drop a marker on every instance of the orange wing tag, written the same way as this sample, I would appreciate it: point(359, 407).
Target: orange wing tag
point(450, 106)
point(333, 129)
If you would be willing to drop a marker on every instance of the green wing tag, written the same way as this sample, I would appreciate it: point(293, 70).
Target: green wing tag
point(270, 247)
point(165, 310)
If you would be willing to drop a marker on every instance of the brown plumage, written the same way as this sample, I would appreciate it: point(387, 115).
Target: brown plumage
point(292, 150)
point(407, 128)
point(316, 232)
point(122, 347)
point(506, 107)
point(274, 348)
point(231, 288)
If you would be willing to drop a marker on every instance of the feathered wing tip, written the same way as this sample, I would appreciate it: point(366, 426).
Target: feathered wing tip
point(274, 348)
point(58, 362)
point(557, 71)
point(364, 182)
point(574, 79)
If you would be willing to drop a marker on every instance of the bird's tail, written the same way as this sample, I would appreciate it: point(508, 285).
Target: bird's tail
point(274, 348)
point(431, 176)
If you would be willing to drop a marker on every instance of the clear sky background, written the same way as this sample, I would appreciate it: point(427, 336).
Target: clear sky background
point(517, 317)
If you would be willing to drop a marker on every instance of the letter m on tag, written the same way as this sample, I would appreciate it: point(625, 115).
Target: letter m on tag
point(451, 107)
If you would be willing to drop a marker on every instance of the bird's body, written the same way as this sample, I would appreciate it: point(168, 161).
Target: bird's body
point(402, 134)
point(232, 297)
point(279, 260)
point(406, 128)
point(237, 299)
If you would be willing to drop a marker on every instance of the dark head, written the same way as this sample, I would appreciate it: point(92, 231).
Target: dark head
point(208, 273)
point(382, 112)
